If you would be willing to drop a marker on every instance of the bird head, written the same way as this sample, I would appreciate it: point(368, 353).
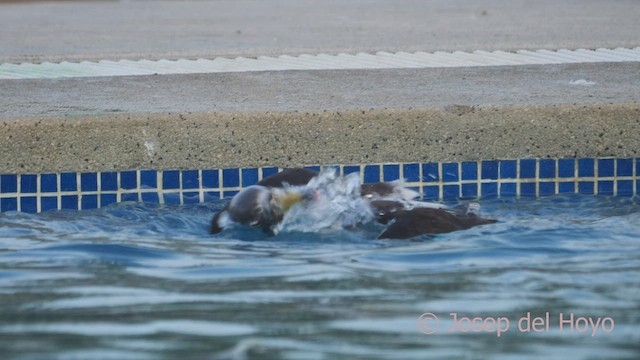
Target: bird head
point(259, 206)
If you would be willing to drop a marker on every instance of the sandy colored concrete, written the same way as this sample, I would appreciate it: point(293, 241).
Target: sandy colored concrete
point(319, 117)
point(58, 31)
point(243, 139)
point(323, 90)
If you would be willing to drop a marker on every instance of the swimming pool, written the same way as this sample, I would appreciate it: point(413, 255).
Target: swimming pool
point(143, 281)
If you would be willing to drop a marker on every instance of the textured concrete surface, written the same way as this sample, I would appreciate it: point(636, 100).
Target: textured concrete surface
point(213, 140)
point(314, 117)
point(324, 90)
point(59, 31)
point(319, 117)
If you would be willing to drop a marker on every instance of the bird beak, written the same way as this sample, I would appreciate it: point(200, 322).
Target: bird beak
point(287, 199)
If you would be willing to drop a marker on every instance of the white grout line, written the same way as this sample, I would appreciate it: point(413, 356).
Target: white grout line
point(615, 183)
point(59, 190)
point(159, 187)
point(19, 192)
point(380, 60)
point(180, 182)
point(537, 177)
point(634, 170)
point(139, 184)
point(459, 171)
point(119, 187)
point(479, 178)
point(518, 192)
point(220, 179)
point(595, 176)
point(201, 187)
point(421, 178)
point(440, 181)
point(38, 194)
point(99, 189)
point(499, 183)
point(575, 177)
point(556, 187)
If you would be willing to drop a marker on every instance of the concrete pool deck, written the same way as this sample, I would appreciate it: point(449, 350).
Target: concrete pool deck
point(321, 117)
point(289, 118)
point(113, 30)
point(245, 139)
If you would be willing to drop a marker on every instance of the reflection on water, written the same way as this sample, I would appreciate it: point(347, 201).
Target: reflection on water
point(147, 282)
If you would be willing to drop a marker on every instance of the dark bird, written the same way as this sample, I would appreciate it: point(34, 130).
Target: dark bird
point(291, 177)
point(264, 205)
point(423, 220)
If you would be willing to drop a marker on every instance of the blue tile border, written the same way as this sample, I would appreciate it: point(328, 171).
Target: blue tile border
point(48, 183)
point(411, 172)
point(249, 177)
point(89, 182)
point(48, 203)
point(190, 179)
point(129, 180)
point(349, 169)
point(490, 169)
point(68, 182)
point(372, 173)
point(469, 170)
point(435, 181)
point(391, 172)
point(231, 177)
point(89, 201)
point(170, 179)
point(430, 172)
point(29, 184)
point(528, 189)
point(508, 169)
point(69, 202)
point(109, 181)
point(450, 172)
point(566, 168)
point(624, 167)
point(210, 179)
point(8, 184)
point(566, 188)
point(547, 169)
point(586, 167)
point(149, 179)
point(527, 169)
point(469, 191)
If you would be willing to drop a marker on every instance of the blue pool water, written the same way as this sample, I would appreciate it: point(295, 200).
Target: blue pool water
point(135, 281)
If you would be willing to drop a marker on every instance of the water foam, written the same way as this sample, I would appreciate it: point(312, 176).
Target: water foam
point(336, 204)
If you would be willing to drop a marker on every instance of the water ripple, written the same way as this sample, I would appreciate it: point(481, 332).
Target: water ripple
point(147, 282)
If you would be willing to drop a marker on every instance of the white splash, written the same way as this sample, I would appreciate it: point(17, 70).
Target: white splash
point(582, 82)
point(336, 204)
point(148, 144)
